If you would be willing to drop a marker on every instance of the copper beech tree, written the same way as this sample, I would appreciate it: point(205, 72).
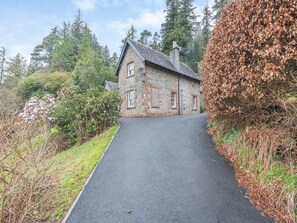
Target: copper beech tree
point(250, 65)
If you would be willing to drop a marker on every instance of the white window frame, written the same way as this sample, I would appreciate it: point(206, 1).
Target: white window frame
point(130, 69)
point(194, 102)
point(174, 104)
point(131, 99)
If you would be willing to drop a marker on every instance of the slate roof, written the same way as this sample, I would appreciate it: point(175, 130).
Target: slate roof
point(112, 85)
point(150, 55)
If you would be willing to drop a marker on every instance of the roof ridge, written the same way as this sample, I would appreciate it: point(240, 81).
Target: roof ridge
point(146, 53)
point(157, 51)
point(148, 47)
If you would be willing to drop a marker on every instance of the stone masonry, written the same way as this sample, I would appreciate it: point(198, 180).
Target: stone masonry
point(155, 82)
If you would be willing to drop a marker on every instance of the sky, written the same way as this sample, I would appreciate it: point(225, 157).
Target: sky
point(24, 23)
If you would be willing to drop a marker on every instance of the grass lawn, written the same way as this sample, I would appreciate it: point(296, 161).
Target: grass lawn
point(73, 166)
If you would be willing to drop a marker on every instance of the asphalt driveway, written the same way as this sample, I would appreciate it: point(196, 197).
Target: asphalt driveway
point(164, 169)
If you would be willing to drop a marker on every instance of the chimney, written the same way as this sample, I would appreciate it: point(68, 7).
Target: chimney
point(174, 55)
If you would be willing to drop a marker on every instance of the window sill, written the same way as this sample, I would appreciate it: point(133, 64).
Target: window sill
point(130, 76)
point(131, 107)
point(173, 107)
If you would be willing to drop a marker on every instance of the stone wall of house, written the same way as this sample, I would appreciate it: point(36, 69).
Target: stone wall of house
point(165, 83)
point(153, 90)
point(131, 83)
point(188, 90)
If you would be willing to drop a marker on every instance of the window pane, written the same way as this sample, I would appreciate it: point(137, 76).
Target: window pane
point(130, 69)
point(131, 98)
point(131, 94)
point(173, 100)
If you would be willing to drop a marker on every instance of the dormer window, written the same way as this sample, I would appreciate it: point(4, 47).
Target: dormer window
point(130, 69)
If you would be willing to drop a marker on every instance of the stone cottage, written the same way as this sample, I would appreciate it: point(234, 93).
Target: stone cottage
point(154, 84)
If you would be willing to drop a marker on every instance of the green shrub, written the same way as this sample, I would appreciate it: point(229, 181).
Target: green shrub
point(54, 81)
point(82, 115)
point(30, 86)
point(41, 83)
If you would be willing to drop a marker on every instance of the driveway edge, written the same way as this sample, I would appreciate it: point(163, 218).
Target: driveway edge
point(90, 176)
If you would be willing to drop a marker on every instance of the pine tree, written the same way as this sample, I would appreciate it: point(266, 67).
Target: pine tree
point(132, 33)
point(16, 70)
point(106, 56)
point(77, 26)
point(156, 42)
point(65, 54)
point(144, 37)
point(42, 55)
point(37, 59)
point(195, 50)
point(90, 71)
point(114, 60)
point(96, 45)
point(217, 8)
point(186, 21)
point(179, 23)
point(49, 44)
point(64, 57)
point(206, 24)
point(168, 29)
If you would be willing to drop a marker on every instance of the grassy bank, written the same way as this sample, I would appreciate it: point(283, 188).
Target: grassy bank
point(269, 177)
point(72, 167)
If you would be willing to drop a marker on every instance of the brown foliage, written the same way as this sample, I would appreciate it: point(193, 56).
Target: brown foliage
point(25, 182)
point(250, 79)
point(269, 200)
point(272, 200)
point(266, 142)
point(250, 65)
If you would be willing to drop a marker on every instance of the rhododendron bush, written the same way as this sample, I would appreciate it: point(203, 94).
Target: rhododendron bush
point(250, 65)
point(38, 109)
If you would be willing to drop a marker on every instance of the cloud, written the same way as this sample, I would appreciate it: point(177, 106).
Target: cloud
point(145, 19)
point(152, 18)
point(85, 4)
